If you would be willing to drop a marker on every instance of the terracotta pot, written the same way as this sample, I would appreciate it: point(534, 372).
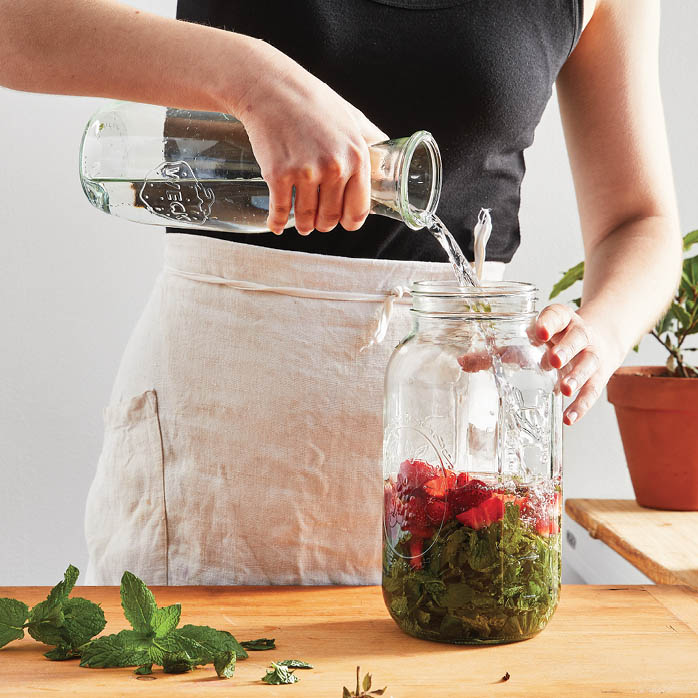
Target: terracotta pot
point(658, 420)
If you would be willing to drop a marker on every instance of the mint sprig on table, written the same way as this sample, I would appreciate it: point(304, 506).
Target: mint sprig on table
point(155, 638)
point(70, 624)
point(67, 623)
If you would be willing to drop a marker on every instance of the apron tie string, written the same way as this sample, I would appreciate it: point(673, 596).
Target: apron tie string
point(383, 316)
point(386, 298)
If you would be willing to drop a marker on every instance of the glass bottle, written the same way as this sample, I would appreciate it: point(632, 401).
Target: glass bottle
point(472, 482)
point(191, 169)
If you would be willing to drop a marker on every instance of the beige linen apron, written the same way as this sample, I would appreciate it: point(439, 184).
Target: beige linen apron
point(244, 435)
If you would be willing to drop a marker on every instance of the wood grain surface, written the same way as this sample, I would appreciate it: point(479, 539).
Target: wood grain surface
point(662, 544)
point(620, 641)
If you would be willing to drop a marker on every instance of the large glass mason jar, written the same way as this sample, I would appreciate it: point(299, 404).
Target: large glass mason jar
point(472, 468)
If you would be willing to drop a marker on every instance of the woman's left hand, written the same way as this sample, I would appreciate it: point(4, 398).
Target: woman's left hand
point(584, 355)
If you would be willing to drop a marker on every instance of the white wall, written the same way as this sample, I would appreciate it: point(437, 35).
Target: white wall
point(73, 281)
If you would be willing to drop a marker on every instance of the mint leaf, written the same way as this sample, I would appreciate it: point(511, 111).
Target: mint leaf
point(206, 642)
point(65, 622)
point(295, 664)
point(83, 620)
point(177, 663)
point(126, 648)
point(279, 674)
point(144, 670)
point(59, 654)
point(13, 615)
point(156, 655)
point(224, 663)
point(45, 621)
point(62, 590)
point(138, 603)
point(166, 619)
point(259, 645)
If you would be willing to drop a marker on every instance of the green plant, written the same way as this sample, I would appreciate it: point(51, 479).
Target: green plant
point(678, 323)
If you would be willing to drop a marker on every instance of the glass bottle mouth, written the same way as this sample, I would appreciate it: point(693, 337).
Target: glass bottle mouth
point(491, 300)
point(419, 177)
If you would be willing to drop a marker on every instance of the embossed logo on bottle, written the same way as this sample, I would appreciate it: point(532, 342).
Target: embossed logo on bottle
point(172, 191)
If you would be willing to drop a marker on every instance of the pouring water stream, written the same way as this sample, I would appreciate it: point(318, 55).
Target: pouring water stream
point(510, 398)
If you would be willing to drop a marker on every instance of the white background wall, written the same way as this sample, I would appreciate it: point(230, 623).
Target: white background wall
point(73, 281)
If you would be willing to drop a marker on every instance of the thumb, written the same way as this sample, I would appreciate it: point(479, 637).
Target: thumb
point(370, 132)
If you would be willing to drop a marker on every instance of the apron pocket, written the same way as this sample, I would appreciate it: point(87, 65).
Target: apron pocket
point(126, 519)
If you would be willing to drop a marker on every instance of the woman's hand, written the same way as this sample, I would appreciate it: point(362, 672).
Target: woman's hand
point(304, 135)
point(581, 351)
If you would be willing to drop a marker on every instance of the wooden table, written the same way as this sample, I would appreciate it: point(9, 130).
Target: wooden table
point(661, 544)
point(619, 641)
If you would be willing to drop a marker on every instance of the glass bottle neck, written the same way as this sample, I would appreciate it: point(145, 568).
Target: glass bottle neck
point(406, 178)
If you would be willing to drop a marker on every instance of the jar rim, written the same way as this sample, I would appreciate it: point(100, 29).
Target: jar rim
point(487, 289)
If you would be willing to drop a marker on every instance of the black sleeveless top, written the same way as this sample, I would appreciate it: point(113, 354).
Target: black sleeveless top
point(477, 74)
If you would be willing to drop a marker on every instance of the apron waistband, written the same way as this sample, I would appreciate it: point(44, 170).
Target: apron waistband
point(387, 298)
point(250, 267)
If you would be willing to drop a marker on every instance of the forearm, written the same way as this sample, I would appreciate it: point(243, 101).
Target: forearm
point(105, 49)
point(630, 276)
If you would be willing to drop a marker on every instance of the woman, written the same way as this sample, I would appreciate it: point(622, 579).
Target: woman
point(242, 441)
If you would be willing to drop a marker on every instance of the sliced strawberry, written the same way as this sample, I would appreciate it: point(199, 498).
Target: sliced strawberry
point(462, 479)
point(475, 361)
point(484, 514)
point(437, 511)
point(557, 503)
point(492, 510)
point(415, 519)
point(548, 524)
point(508, 497)
point(416, 549)
point(413, 474)
point(543, 526)
point(471, 518)
point(556, 513)
point(469, 496)
point(440, 485)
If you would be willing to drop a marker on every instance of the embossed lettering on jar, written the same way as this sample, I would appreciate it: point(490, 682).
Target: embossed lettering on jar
point(472, 473)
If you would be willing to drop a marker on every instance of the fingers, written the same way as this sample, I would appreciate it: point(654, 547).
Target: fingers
point(306, 203)
point(335, 190)
point(588, 395)
point(331, 197)
point(370, 132)
point(580, 371)
point(574, 339)
point(552, 319)
point(280, 202)
point(357, 194)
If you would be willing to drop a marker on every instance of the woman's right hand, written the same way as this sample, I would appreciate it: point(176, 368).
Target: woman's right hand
point(304, 135)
